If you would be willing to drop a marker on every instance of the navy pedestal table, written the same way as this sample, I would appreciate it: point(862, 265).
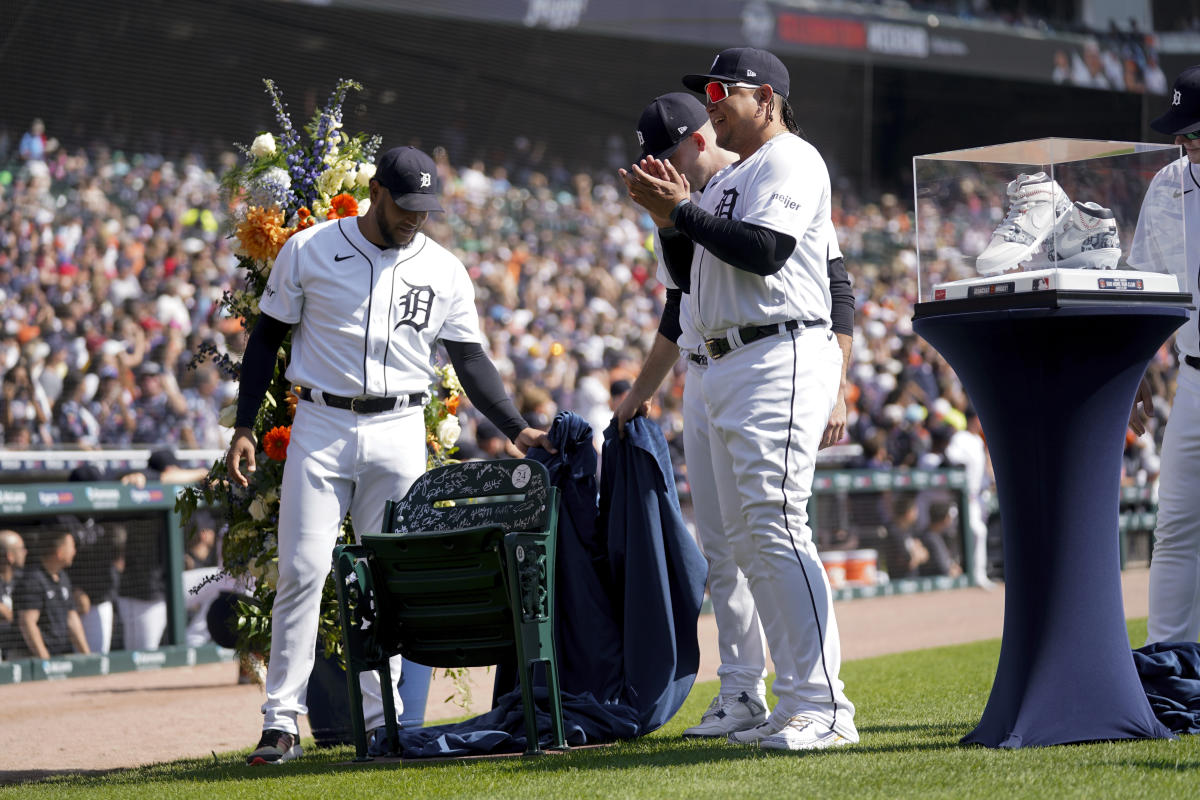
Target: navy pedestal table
point(1053, 388)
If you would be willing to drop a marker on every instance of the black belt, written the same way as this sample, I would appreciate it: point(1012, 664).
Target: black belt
point(366, 405)
point(1192, 361)
point(752, 333)
point(696, 358)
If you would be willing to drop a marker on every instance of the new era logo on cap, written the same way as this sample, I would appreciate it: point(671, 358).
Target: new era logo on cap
point(411, 177)
point(667, 121)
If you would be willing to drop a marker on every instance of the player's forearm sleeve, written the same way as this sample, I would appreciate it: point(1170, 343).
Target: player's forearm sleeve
point(669, 325)
point(481, 381)
point(258, 367)
point(677, 251)
point(752, 248)
point(841, 297)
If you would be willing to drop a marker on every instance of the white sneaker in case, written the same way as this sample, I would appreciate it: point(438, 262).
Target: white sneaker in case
point(1086, 238)
point(803, 733)
point(724, 717)
point(1035, 205)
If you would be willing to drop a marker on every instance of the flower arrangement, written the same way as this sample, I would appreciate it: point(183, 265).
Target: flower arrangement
point(288, 181)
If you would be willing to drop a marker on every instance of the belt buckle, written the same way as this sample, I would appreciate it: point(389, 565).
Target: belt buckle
point(354, 401)
point(713, 347)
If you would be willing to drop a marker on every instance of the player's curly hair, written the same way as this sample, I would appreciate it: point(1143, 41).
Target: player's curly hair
point(788, 117)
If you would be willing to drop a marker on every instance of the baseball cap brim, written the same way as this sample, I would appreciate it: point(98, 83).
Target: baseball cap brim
point(666, 152)
point(418, 201)
point(697, 82)
point(1175, 122)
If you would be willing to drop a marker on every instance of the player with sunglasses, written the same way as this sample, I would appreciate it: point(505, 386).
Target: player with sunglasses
point(1175, 192)
point(753, 254)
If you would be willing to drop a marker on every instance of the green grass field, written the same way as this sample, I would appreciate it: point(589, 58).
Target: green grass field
point(912, 710)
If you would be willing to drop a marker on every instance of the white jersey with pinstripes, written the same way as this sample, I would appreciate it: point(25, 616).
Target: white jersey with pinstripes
point(1171, 203)
point(690, 339)
point(367, 319)
point(784, 186)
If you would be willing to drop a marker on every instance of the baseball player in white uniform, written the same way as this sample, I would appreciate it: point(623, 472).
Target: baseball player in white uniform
point(1174, 193)
point(367, 300)
point(675, 126)
point(759, 239)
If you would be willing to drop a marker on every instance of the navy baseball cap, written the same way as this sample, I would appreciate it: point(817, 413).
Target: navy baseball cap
point(1184, 114)
point(667, 121)
point(743, 65)
point(411, 177)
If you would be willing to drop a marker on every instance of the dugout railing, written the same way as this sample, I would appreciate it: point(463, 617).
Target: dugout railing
point(847, 512)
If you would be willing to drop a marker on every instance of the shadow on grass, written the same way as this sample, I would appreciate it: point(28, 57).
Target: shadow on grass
point(638, 754)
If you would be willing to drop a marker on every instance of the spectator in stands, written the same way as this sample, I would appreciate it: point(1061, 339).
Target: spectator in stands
point(33, 142)
point(43, 603)
point(74, 424)
point(12, 562)
point(903, 552)
point(938, 538)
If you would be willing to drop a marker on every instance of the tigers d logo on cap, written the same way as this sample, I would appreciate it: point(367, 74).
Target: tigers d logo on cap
point(1183, 115)
point(667, 121)
point(411, 177)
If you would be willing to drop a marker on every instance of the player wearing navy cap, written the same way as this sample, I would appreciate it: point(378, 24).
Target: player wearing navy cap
point(1172, 204)
point(367, 301)
point(754, 255)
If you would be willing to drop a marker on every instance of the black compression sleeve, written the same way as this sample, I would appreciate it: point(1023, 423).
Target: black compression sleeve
point(677, 251)
point(258, 367)
point(481, 381)
point(841, 298)
point(669, 325)
point(752, 248)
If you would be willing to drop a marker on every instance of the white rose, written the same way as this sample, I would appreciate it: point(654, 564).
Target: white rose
point(364, 173)
point(350, 179)
point(228, 416)
point(331, 180)
point(448, 431)
point(264, 145)
point(258, 509)
point(363, 205)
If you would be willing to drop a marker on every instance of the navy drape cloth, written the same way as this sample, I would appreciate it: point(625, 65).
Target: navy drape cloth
point(1065, 674)
point(629, 587)
point(1170, 674)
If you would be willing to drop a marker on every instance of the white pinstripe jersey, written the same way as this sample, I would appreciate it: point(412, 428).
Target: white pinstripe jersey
point(784, 186)
point(1172, 209)
point(367, 320)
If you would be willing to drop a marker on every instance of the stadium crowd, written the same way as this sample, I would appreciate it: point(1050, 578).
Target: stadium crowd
point(113, 266)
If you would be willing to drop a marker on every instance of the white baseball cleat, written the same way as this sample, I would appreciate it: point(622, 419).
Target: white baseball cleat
point(1085, 238)
point(725, 716)
point(1035, 206)
point(804, 733)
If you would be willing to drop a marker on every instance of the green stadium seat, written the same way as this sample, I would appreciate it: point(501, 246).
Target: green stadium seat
point(462, 576)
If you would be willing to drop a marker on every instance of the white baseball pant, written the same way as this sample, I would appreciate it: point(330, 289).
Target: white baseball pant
point(98, 626)
point(337, 461)
point(144, 622)
point(740, 641)
point(1175, 562)
point(768, 403)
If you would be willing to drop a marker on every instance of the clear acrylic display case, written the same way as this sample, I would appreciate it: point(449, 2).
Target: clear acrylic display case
point(1049, 222)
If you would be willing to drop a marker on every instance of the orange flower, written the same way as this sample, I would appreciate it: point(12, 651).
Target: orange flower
point(261, 233)
point(452, 403)
point(342, 205)
point(275, 443)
